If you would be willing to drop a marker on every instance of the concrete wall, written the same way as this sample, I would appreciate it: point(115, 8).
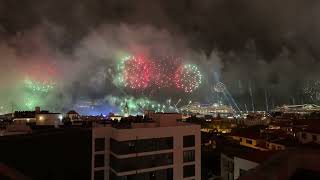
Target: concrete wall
point(243, 164)
point(243, 142)
point(225, 170)
point(53, 119)
point(166, 119)
point(23, 120)
point(275, 146)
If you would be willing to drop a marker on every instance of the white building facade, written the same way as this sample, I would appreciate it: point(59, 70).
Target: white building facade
point(159, 150)
point(242, 165)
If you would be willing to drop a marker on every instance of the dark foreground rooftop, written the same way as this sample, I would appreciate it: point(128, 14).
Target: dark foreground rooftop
point(287, 165)
point(52, 154)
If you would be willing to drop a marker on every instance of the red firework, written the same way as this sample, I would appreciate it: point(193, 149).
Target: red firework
point(164, 69)
point(41, 72)
point(137, 73)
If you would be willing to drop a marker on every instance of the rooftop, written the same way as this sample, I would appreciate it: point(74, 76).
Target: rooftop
point(257, 156)
point(159, 120)
point(285, 164)
point(315, 130)
point(285, 141)
point(9, 173)
point(72, 112)
point(249, 135)
point(236, 150)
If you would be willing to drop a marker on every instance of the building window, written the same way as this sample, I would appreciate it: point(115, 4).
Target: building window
point(242, 172)
point(248, 141)
point(140, 162)
point(314, 137)
point(140, 145)
point(99, 144)
point(188, 156)
point(188, 141)
point(304, 136)
point(99, 175)
point(188, 171)
point(273, 147)
point(99, 160)
point(166, 174)
point(155, 144)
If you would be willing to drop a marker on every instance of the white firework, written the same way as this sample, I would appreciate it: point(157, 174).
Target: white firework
point(219, 87)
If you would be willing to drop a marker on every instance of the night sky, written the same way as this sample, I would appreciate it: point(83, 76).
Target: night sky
point(269, 48)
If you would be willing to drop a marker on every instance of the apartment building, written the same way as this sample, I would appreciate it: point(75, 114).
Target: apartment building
point(161, 149)
point(235, 163)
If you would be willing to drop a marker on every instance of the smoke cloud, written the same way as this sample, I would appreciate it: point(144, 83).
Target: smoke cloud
point(271, 48)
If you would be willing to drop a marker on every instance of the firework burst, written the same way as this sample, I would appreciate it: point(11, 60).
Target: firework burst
point(164, 69)
point(188, 78)
point(137, 73)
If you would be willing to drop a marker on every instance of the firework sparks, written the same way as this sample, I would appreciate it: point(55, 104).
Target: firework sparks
point(312, 90)
point(38, 86)
point(134, 72)
point(164, 71)
point(138, 105)
point(137, 73)
point(158, 73)
point(188, 78)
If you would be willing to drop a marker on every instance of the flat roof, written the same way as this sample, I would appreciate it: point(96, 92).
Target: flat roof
point(257, 156)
